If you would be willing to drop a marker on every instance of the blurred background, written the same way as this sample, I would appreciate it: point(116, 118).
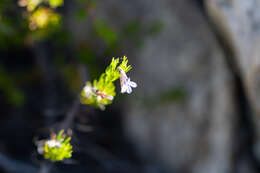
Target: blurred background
point(196, 62)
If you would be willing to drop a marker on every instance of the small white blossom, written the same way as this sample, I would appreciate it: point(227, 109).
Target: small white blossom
point(125, 82)
point(88, 90)
point(109, 97)
point(101, 106)
point(40, 146)
point(99, 98)
point(53, 143)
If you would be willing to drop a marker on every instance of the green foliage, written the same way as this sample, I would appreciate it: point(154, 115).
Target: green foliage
point(41, 16)
point(124, 65)
point(71, 76)
point(88, 56)
point(8, 86)
point(86, 6)
point(58, 147)
point(81, 14)
point(104, 31)
point(174, 94)
point(11, 26)
point(55, 3)
point(132, 29)
point(34, 4)
point(102, 91)
point(156, 28)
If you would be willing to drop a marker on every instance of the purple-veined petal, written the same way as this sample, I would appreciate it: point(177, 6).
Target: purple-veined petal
point(124, 88)
point(129, 89)
point(132, 84)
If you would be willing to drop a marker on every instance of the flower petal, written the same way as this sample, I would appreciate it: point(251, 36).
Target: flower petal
point(132, 84)
point(124, 88)
point(109, 97)
point(129, 89)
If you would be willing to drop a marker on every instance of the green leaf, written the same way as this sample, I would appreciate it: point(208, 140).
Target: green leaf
point(55, 3)
point(105, 32)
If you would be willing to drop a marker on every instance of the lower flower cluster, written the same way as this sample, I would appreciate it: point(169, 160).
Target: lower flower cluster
point(57, 148)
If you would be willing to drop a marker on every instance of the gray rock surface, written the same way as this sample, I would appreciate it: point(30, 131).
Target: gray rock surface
point(239, 24)
point(192, 130)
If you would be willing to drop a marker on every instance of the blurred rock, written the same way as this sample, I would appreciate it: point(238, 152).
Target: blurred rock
point(182, 113)
point(239, 24)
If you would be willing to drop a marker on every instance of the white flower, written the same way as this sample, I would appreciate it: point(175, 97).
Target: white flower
point(40, 146)
point(88, 90)
point(109, 97)
point(101, 106)
point(125, 82)
point(53, 143)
